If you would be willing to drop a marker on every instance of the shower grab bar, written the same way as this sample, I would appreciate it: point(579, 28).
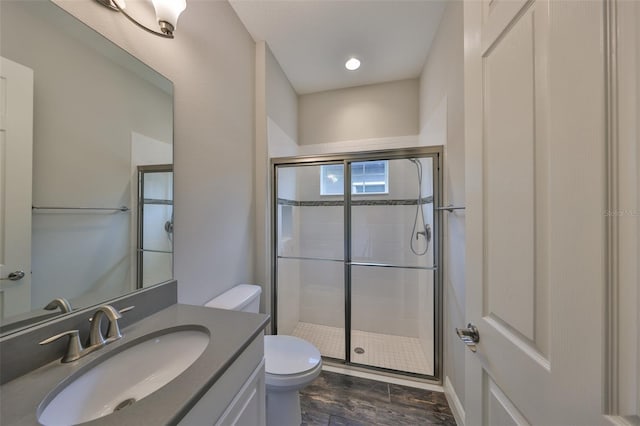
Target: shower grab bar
point(388, 265)
point(450, 208)
point(378, 265)
point(121, 208)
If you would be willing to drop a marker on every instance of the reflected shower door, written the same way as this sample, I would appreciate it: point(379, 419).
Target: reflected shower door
point(391, 274)
point(155, 224)
point(310, 267)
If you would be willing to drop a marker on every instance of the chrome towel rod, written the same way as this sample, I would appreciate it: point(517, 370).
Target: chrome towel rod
point(121, 208)
point(450, 208)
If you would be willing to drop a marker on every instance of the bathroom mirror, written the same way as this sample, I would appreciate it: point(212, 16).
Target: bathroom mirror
point(98, 114)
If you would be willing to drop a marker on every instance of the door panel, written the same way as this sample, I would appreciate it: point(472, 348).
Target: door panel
point(155, 224)
point(510, 138)
point(392, 283)
point(310, 271)
point(501, 411)
point(16, 154)
point(496, 17)
point(393, 319)
point(534, 120)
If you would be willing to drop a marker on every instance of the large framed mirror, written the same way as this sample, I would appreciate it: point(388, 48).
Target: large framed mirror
point(79, 116)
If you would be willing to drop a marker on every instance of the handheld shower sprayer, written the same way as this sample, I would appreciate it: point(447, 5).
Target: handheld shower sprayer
point(426, 228)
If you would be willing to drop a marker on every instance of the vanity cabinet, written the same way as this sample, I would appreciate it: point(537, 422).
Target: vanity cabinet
point(238, 397)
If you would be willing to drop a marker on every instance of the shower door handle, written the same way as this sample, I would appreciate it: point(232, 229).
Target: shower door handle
point(469, 336)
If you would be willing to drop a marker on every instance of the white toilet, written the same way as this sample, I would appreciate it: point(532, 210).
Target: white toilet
point(290, 363)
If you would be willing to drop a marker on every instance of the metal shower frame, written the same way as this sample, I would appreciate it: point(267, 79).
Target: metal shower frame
point(434, 152)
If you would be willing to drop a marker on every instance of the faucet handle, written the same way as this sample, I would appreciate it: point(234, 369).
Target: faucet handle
point(74, 347)
point(127, 309)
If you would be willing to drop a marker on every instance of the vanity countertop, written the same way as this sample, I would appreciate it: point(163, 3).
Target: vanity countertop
point(230, 333)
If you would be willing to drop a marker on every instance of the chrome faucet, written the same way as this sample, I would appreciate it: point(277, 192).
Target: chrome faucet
point(113, 332)
point(75, 350)
point(59, 302)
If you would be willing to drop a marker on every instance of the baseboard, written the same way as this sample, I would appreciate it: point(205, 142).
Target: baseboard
point(454, 402)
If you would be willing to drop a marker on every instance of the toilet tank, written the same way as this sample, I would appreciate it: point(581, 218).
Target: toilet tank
point(243, 297)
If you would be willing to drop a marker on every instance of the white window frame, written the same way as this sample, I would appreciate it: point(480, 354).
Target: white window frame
point(323, 173)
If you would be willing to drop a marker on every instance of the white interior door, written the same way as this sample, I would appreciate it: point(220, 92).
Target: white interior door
point(16, 157)
point(534, 122)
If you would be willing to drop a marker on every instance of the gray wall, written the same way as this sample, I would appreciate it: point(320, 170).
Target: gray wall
point(442, 118)
point(363, 112)
point(211, 63)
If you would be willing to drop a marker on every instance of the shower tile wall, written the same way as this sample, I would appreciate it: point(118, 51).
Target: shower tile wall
point(387, 301)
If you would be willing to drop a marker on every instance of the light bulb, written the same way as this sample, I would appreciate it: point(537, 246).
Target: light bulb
point(169, 11)
point(352, 64)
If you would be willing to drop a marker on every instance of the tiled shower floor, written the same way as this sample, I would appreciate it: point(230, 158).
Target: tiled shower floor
point(380, 350)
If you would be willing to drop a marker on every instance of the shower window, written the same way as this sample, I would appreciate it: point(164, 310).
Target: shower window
point(367, 177)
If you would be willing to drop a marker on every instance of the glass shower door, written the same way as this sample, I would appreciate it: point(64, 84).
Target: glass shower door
point(310, 272)
point(355, 255)
point(391, 274)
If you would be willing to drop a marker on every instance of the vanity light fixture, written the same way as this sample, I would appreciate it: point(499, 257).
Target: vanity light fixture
point(352, 64)
point(167, 13)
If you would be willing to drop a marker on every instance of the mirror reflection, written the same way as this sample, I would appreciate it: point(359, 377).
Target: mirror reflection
point(80, 119)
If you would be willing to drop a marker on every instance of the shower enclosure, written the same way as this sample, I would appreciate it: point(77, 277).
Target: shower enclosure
point(356, 249)
point(155, 224)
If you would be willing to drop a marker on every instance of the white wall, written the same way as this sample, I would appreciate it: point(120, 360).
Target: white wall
point(363, 112)
point(442, 121)
point(212, 64)
point(282, 107)
point(81, 158)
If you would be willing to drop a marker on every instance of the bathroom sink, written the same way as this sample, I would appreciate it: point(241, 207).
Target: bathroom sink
point(124, 378)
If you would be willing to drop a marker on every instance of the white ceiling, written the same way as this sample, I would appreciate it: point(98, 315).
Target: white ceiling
point(312, 39)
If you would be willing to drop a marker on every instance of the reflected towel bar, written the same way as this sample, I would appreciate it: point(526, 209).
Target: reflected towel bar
point(121, 208)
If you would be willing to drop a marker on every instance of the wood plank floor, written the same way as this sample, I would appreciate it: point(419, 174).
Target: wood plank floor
point(335, 400)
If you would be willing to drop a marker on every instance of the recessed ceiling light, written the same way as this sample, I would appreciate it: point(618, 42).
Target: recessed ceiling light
point(352, 64)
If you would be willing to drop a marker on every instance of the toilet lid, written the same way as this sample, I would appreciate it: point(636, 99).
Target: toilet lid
point(289, 355)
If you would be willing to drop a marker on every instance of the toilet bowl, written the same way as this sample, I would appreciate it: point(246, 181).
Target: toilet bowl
point(291, 363)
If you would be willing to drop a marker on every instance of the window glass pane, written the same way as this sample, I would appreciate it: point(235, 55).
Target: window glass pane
point(367, 177)
point(332, 179)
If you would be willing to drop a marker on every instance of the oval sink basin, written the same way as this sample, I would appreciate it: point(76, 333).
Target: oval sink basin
point(124, 378)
